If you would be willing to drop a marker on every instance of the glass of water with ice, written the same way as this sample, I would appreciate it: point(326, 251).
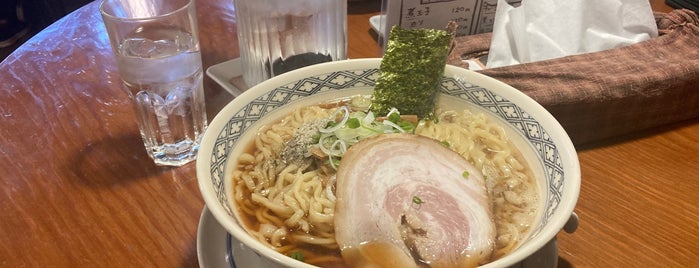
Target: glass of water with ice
point(156, 46)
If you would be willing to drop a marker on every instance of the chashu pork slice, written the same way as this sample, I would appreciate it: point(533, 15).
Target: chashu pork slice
point(405, 200)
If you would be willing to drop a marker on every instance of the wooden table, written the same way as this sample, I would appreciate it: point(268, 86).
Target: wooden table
point(78, 190)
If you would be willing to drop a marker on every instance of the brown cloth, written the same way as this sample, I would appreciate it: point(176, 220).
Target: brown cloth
point(612, 92)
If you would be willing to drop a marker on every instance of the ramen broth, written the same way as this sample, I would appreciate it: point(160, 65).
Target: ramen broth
point(288, 203)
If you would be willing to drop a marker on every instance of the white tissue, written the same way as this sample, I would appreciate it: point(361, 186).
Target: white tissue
point(546, 29)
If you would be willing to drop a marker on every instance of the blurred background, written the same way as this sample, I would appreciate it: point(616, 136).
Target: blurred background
point(21, 19)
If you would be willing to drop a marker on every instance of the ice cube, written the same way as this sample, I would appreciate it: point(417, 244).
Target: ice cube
point(176, 101)
point(147, 48)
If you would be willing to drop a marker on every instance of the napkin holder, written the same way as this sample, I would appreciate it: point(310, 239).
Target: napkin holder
point(613, 92)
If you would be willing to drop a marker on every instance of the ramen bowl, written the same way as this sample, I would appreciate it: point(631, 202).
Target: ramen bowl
point(541, 139)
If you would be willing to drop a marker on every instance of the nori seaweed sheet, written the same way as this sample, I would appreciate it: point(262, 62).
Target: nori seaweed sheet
point(411, 69)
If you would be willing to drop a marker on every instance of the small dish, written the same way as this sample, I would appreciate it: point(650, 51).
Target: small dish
point(218, 249)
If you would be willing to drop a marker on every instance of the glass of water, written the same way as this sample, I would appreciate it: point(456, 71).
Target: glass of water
point(156, 46)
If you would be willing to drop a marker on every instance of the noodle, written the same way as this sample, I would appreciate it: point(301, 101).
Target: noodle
point(292, 195)
point(289, 203)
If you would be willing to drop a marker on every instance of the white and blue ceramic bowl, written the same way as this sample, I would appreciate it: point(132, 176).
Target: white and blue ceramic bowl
point(542, 140)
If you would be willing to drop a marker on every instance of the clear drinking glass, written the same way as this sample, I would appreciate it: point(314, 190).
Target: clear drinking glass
point(156, 46)
point(276, 36)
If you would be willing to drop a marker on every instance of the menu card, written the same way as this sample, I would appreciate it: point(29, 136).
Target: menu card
point(473, 16)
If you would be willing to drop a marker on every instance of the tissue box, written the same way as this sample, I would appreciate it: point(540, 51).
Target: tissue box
point(613, 92)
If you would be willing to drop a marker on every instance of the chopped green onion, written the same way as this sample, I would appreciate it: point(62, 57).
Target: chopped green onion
point(334, 162)
point(368, 118)
point(353, 123)
point(344, 112)
point(446, 143)
point(297, 255)
point(332, 146)
point(393, 127)
point(394, 117)
point(417, 200)
point(407, 126)
point(315, 138)
point(335, 138)
point(465, 174)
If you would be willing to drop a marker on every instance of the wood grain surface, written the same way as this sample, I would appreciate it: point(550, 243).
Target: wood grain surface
point(78, 189)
